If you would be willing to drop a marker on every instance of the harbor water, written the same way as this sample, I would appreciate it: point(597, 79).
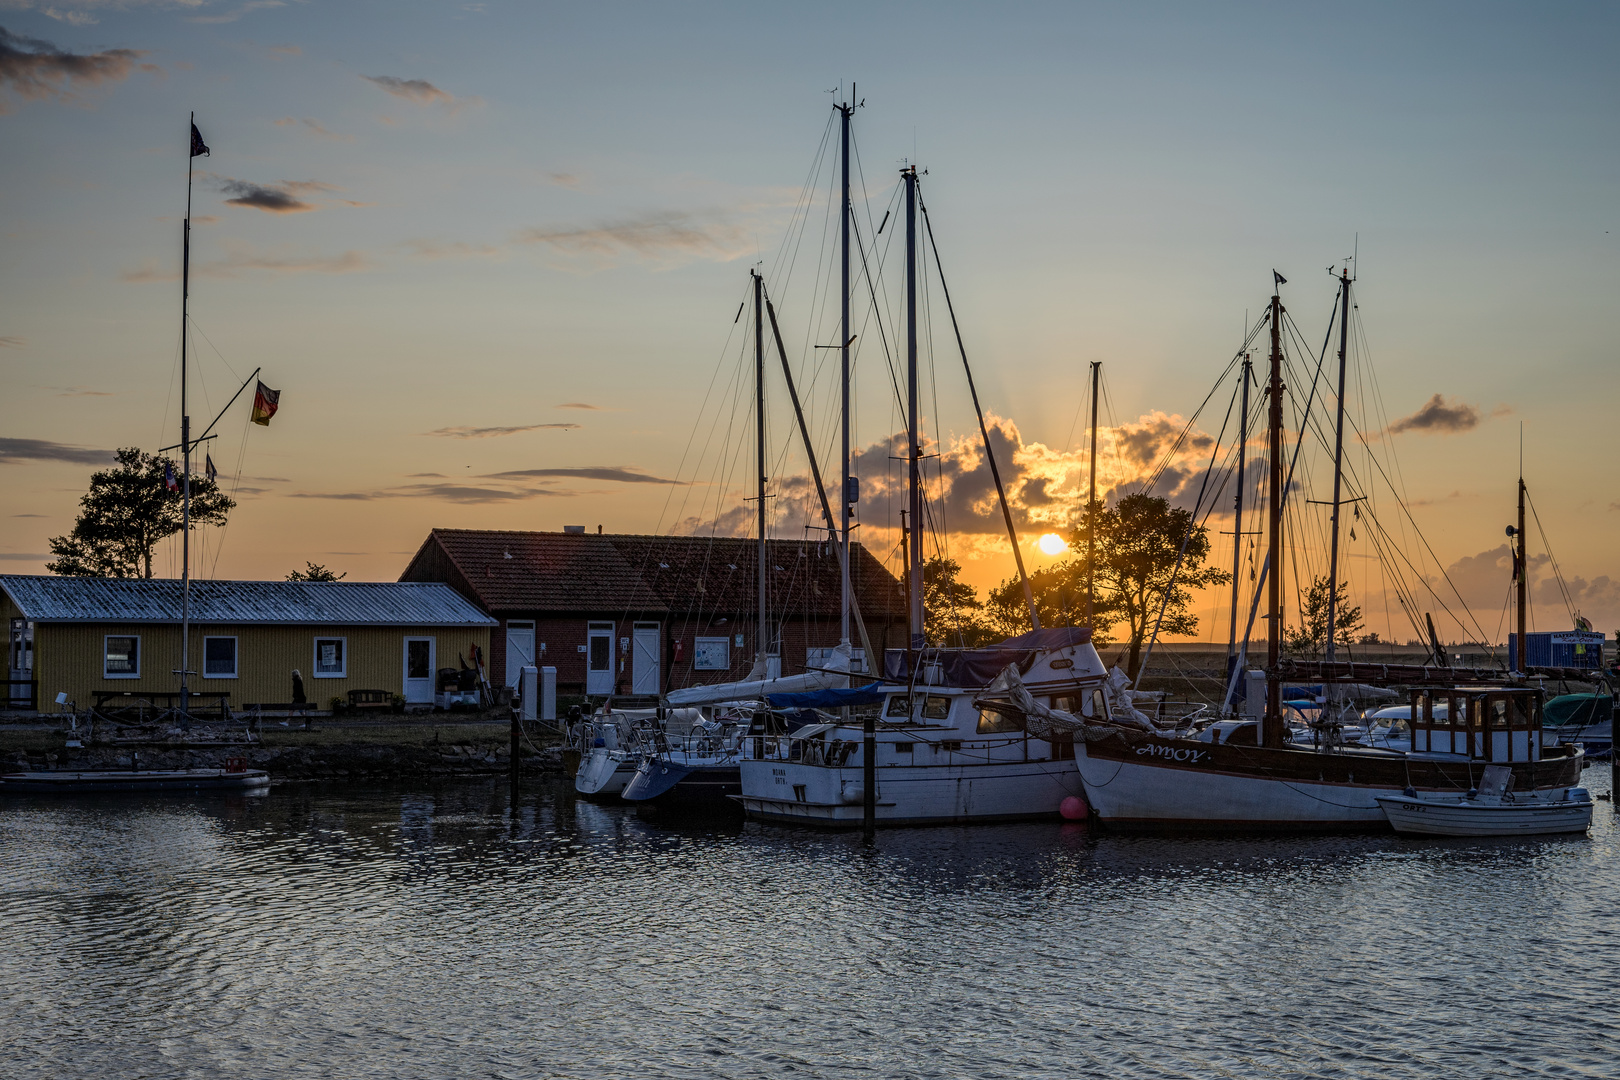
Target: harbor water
point(439, 931)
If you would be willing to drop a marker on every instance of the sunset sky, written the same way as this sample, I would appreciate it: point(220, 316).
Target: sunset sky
point(491, 254)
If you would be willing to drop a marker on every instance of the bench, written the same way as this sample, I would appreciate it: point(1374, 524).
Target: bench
point(378, 700)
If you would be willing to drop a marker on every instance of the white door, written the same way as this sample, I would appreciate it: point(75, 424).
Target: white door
point(519, 649)
point(646, 659)
point(419, 670)
point(599, 659)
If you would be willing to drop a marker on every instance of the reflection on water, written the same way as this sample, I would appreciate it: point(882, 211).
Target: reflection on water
point(447, 931)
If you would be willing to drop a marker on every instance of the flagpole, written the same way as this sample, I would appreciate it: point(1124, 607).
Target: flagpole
point(185, 443)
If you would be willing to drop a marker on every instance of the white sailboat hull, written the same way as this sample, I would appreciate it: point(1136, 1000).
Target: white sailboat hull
point(603, 772)
point(833, 797)
point(1125, 793)
point(1467, 817)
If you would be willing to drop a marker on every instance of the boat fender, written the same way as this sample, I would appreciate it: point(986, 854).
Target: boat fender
point(1409, 791)
point(1473, 793)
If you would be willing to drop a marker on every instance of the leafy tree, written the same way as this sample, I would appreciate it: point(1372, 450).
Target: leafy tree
point(1060, 600)
point(127, 511)
point(315, 572)
point(1311, 638)
point(1139, 541)
point(951, 608)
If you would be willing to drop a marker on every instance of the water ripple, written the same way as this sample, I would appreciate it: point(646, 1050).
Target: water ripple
point(446, 931)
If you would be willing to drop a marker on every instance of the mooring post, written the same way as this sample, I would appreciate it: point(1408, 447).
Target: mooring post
point(513, 710)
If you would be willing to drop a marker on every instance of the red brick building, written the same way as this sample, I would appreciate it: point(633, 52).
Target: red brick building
point(647, 614)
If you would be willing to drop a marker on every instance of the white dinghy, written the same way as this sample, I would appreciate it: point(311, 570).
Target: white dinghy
point(1492, 810)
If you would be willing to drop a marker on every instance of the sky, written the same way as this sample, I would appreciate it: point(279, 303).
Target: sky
point(491, 255)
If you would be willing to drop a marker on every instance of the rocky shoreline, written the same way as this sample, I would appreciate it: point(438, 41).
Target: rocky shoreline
point(408, 749)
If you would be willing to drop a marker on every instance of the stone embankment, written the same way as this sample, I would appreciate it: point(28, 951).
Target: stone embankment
point(371, 751)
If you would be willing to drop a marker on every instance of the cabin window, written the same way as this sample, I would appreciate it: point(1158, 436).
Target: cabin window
point(219, 658)
point(123, 658)
point(331, 658)
point(936, 707)
point(1083, 703)
point(991, 722)
point(899, 707)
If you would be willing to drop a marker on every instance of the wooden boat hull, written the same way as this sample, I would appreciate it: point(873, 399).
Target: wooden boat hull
point(1156, 784)
point(1464, 817)
point(74, 783)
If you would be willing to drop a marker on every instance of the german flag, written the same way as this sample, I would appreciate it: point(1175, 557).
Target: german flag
point(265, 403)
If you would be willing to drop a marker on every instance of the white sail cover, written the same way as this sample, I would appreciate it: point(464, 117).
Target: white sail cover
point(835, 676)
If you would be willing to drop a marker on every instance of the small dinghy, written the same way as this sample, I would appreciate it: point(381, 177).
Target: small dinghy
point(74, 783)
point(1492, 810)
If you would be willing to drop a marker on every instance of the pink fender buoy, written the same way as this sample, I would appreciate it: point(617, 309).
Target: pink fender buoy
point(1074, 808)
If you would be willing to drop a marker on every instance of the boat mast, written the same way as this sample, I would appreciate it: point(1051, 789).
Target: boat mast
point(1091, 505)
point(1237, 519)
point(185, 439)
point(759, 440)
point(1524, 568)
point(847, 210)
point(914, 573)
point(1273, 726)
point(1338, 464)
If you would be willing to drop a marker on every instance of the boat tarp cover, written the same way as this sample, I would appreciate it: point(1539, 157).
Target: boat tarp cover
point(831, 698)
point(976, 667)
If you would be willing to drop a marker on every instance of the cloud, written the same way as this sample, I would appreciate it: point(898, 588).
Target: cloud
point(563, 179)
point(617, 474)
point(420, 92)
point(448, 492)
point(432, 249)
point(78, 391)
point(36, 70)
point(1439, 417)
point(286, 50)
point(12, 342)
point(490, 432)
point(22, 556)
point(27, 515)
point(282, 198)
point(240, 258)
point(72, 18)
point(314, 126)
point(579, 405)
point(16, 450)
point(232, 16)
point(660, 237)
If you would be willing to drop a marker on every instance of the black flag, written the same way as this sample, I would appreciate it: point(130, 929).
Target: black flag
point(198, 147)
point(1276, 278)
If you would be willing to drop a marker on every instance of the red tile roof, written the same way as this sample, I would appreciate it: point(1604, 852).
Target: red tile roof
point(617, 573)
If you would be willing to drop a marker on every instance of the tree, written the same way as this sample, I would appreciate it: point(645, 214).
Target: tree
point(316, 572)
point(127, 511)
point(1060, 600)
point(950, 607)
point(1311, 638)
point(1139, 544)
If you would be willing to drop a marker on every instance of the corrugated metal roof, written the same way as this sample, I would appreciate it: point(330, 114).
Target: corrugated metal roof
point(348, 603)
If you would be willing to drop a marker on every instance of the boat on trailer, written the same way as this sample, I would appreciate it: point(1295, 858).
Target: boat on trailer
point(66, 782)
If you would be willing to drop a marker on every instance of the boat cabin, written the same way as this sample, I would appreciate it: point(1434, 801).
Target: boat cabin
point(1486, 723)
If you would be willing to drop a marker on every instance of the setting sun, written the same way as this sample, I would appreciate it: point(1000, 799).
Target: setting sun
point(1053, 544)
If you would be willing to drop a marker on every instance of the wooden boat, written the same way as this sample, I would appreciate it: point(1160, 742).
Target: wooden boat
point(73, 783)
point(1492, 810)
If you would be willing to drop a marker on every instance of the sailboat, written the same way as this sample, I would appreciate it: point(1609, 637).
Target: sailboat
point(931, 752)
point(1249, 776)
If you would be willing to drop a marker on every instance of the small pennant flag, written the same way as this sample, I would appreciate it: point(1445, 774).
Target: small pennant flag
point(208, 467)
point(1276, 278)
point(198, 147)
point(265, 403)
point(168, 476)
point(1582, 623)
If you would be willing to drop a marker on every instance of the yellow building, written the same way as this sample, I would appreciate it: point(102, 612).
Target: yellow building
point(84, 636)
